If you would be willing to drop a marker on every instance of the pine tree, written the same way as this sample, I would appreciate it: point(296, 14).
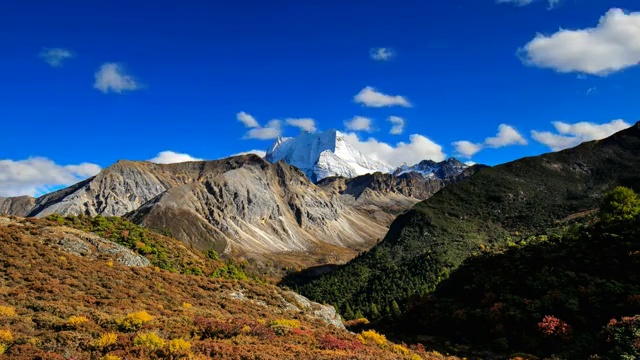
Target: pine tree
point(395, 309)
point(375, 314)
point(348, 312)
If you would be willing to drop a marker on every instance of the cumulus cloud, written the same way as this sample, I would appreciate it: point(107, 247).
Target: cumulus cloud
point(417, 149)
point(170, 157)
point(613, 45)
point(55, 56)
point(507, 135)
point(248, 120)
point(382, 54)
point(359, 123)
point(271, 131)
point(38, 175)
point(306, 124)
point(370, 97)
point(112, 78)
point(569, 135)
point(466, 148)
point(398, 125)
point(260, 153)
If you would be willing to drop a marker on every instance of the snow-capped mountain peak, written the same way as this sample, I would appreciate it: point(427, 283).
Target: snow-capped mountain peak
point(324, 154)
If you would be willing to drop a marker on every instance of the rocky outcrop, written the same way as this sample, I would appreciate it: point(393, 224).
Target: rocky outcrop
point(80, 243)
point(19, 205)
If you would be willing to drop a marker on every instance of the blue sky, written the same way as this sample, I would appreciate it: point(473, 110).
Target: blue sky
point(85, 83)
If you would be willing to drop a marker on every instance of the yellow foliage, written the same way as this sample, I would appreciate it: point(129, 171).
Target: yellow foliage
point(3, 348)
point(186, 305)
point(150, 340)
point(111, 357)
point(134, 320)
point(77, 320)
point(110, 263)
point(245, 329)
point(399, 349)
point(106, 339)
point(373, 336)
point(415, 357)
point(6, 336)
point(7, 311)
point(179, 346)
point(293, 324)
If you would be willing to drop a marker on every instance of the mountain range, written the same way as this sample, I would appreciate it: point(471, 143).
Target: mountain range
point(248, 207)
point(494, 209)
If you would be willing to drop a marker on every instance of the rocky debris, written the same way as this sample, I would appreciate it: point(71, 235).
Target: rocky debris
point(299, 303)
point(80, 243)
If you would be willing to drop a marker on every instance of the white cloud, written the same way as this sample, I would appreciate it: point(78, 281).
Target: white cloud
point(507, 135)
point(55, 56)
point(260, 153)
point(569, 135)
point(515, 2)
point(38, 175)
point(398, 125)
point(382, 54)
point(248, 120)
point(419, 148)
point(613, 45)
point(306, 124)
point(359, 123)
point(372, 98)
point(551, 4)
point(112, 77)
point(170, 157)
point(469, 163)
point(271, 131)
point(466, 148)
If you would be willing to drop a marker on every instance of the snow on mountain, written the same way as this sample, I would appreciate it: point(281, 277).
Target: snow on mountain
point(325, 154)
point(435, 170)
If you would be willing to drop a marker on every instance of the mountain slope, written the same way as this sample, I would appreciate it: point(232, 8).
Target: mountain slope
point(559, 295)
point(57, 304)
point(494, 207)
point(323, 155)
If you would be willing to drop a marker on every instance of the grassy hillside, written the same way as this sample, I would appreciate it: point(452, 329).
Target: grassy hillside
point(57, 305)
point(573, 295)
point(509, 204)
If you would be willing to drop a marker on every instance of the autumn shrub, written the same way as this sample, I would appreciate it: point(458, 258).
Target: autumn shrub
point(6, 336)
point(3, 348)
point(623, 338)
point(134, 321)
point(226, 329)
point(400, 349)
point(187, 305)
point(106, 340)
point(330, 342)
point(149, 340)
point(371, 336)
point(75, 321)
point(283, 326)
point(7, 311)
point(552, 326)
point(179, 347)
point(111, 357)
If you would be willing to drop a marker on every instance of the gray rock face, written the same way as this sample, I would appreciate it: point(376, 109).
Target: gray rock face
point(19, 205)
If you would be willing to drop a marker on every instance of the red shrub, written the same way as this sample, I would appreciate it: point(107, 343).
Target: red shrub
point(552, 326)
point(330, 342)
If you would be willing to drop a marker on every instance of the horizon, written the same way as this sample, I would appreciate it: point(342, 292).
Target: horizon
point(484, 82)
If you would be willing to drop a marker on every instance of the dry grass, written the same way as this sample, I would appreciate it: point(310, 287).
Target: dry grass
point(45, 301)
